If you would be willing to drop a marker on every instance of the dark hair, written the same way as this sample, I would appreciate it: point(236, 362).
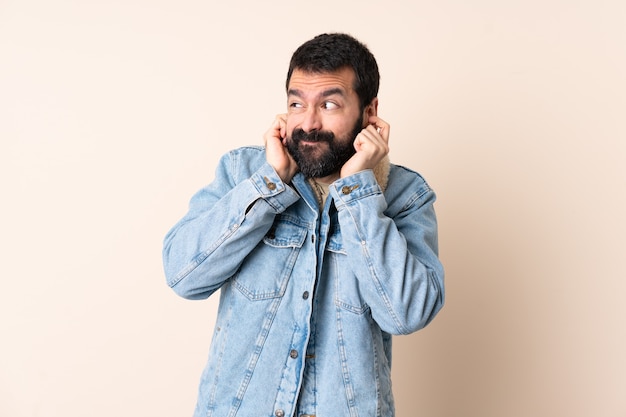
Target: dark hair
point(332, 52)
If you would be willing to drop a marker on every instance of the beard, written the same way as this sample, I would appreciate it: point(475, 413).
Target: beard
point(317, 161)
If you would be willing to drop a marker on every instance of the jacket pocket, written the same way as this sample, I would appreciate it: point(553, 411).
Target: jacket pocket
point(267, 269)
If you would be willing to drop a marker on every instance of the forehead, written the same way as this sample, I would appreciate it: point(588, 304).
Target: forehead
point(342, 79)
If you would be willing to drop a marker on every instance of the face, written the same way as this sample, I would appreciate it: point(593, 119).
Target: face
point(324, 117)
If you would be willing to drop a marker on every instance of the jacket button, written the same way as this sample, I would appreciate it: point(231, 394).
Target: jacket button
point(279, 413)
point(293, 353)
point(348, 189)
point(270, 184)
point(305, 295)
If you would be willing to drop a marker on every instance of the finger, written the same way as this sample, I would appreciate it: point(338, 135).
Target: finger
point(282, 130)
point(273, 132)
point(369, 141)
point(279, 125)
point(382, 127)
point(376, 139)
point(377, 134)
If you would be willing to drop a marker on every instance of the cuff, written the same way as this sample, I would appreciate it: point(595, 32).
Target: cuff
point(356, 186)
point(272, 189)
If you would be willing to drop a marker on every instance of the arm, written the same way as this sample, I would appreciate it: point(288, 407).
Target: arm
point(394, 256)
point(395, 259)
point(225, 221)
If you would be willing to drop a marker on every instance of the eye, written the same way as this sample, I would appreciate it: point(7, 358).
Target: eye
point(330, 105)
point(295, 107)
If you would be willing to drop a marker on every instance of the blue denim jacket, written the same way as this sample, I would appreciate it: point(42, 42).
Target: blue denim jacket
point(309, 299)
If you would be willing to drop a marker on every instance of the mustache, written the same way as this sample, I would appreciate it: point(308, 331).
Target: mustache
point(299, 135)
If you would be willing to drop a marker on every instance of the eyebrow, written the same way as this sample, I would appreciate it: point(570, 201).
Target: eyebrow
point(325, 93)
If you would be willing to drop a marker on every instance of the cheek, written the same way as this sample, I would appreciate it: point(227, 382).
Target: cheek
point(288, 131)
point(344, 130)
point(292, 123)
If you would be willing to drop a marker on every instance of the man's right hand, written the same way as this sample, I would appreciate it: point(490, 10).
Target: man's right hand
point(276, 151)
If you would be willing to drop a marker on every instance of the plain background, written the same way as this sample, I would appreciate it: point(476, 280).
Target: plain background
point(113, 113)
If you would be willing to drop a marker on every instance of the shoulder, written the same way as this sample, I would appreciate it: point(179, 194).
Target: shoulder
point(407, 187)
point(400, 176)
point(247, 153)
point(244, 160)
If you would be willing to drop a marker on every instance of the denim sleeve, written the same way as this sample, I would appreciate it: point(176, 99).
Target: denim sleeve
point(225, 221)
point(395, 259)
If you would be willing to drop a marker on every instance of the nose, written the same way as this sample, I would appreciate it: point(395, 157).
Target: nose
point(312, 120)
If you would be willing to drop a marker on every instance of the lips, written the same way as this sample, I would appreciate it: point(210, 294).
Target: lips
point(311, 142)
point(300, 136)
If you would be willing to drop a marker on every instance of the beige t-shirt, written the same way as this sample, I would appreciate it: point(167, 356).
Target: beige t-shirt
point(321, 191)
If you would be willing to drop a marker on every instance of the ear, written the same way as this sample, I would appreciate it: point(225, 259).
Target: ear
point(371, 109)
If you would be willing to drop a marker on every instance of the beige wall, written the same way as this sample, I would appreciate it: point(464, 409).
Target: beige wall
point(112, 113)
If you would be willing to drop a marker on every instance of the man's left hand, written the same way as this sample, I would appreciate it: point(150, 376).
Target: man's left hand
point(371, 145)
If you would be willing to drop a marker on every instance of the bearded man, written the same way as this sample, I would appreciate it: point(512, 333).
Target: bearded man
point(320, 247)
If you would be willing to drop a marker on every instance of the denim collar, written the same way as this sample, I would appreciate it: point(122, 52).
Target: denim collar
point(381, 173)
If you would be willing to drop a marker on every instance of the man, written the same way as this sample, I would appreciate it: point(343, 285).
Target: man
point(322, 250)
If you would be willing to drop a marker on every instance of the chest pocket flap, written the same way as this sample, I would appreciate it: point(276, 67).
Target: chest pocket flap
point(266, 270)
point(285, 234)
